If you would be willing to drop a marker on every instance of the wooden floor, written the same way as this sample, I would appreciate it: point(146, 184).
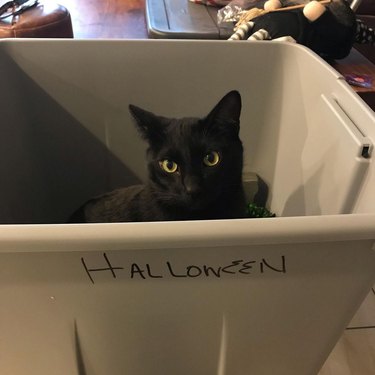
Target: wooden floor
point(355, 352)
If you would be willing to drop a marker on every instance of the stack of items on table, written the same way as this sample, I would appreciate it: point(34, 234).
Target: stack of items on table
point(366, 13)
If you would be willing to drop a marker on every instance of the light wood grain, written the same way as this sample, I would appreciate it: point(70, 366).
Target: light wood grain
point(102, 19)
point(354, 354)
point(365, 316)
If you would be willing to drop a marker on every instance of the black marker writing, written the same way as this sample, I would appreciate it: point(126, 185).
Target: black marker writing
point(211, 270)
point(193, 271)
point(283, 266)
point(135, 269)
point(108, 268)
point(166, 269)
point(172, 272)
point(246, 266)
point(235, 263)
point(150, 274)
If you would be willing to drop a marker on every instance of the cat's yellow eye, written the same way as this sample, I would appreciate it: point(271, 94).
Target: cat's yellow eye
point(211, 159)
point(168, 166)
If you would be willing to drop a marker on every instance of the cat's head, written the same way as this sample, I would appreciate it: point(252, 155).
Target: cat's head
point(194, 161)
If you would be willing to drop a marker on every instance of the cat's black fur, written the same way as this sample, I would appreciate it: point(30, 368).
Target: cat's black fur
point(194, 191)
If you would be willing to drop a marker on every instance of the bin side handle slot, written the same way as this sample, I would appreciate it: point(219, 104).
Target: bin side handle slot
point(364, 143)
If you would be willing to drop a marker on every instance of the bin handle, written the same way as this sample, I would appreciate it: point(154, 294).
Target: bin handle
point(355, 132)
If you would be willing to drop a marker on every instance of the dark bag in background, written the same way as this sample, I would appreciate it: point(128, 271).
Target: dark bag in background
point(34, 19)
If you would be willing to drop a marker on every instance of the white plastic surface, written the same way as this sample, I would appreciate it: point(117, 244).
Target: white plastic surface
point(259, 296)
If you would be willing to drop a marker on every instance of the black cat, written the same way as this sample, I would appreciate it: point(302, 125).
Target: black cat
point(195, 170)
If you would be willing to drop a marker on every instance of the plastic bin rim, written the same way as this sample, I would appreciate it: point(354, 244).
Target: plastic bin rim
point(189, 234)
point(217, 42)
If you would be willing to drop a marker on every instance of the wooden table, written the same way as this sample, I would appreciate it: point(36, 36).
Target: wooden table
point(356, 63)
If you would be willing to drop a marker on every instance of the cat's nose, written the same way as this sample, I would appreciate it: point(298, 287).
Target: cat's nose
point(192, 186)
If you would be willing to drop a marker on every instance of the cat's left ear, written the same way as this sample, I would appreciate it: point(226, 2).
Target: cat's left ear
point(227, 111)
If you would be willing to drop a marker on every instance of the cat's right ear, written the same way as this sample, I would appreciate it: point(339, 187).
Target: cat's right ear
point(148, 124)
point(227, 111)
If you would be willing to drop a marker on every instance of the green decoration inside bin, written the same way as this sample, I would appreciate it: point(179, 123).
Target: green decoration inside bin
point(253, 211)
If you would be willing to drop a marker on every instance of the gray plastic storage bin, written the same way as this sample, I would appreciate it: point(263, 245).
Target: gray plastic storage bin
point(228, 297)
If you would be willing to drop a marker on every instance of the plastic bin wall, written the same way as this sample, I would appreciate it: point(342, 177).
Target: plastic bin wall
point(260, 296)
